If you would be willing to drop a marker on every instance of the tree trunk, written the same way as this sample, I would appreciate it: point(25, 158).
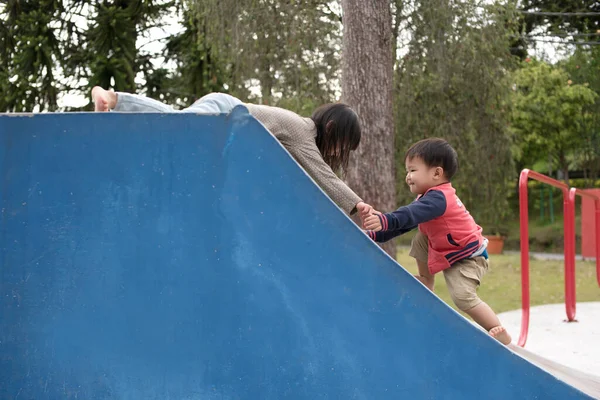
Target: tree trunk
point(367, 79)
point(564, 164)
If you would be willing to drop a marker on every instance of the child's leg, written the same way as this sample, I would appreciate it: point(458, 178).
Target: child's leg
point(214, 103)
point(127, 102)
point(419, 251)
point(424, 275)
point(487, 318)
point(106, 100)
point(463, 279)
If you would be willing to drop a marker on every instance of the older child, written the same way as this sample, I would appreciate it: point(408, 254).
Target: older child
point(321, 144)
point(448, 240)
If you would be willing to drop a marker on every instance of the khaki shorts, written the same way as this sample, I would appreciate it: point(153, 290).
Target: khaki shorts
point(462, 278)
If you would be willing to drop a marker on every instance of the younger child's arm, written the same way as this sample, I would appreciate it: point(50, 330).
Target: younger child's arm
point(384, 236)
point(428, 207)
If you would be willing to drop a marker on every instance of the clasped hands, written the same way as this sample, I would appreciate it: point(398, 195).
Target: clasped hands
point(369, 217)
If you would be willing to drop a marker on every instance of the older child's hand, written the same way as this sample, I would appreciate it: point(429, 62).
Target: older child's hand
point(364, 210)
point(372, 222)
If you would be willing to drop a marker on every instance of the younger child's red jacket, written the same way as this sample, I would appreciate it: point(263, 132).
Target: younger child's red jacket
point(441, 216)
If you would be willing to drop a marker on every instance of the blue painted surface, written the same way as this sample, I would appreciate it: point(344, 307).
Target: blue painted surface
point(189, 257)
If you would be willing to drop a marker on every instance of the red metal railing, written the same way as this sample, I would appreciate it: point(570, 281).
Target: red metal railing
point(524, 215)
point(569, 244)
point(578, 192)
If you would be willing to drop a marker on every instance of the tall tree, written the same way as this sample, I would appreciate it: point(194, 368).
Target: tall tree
point(49, 47)
point(549, 111)
point(561, 16)
point(29, 49)
point(276, 52)
point(367, 74)
point(114, 58)
point(555, 21)
point(451, 83)
point(583, 68)
point(199, 70)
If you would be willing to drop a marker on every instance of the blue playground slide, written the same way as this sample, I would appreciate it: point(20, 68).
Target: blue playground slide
point(178, 256)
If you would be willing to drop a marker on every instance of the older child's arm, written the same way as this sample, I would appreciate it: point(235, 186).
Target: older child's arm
point(426, 208)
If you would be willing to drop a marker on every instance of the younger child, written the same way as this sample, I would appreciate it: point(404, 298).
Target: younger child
point(448, 240)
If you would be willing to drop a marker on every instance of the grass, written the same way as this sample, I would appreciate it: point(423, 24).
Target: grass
point(544, 236)
point(501, 287)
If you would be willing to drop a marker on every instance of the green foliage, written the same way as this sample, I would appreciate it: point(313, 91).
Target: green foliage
point(111, 40)
point(549, 112)
point(288, 50)
point(559, 24)
point(45, 49)
point(450, 78)
point(111, 53)
point(583, 68)
point(452, 84)
point(199, 70)
point(29, 48)
point(501, 286)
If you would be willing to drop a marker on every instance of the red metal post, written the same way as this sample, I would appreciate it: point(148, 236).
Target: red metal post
point(596, 198)
point(524, 216)
point(598, 240)
point(569, 196)
point(569, 221)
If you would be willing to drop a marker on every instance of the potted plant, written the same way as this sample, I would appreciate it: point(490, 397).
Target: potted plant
point(495, 243)
point(496, 232)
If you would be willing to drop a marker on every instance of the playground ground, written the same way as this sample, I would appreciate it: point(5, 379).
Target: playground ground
point(568, 350)
point(573, 344)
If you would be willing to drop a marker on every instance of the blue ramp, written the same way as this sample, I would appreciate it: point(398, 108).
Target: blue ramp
point(189, 257)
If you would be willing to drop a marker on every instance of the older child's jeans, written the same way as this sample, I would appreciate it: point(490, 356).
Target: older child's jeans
point(212, 103)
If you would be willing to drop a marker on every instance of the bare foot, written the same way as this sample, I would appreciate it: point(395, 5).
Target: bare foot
point(104, 100)
point(500, 334)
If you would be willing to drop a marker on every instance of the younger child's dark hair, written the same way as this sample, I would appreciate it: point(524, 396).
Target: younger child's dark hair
point(435, 152)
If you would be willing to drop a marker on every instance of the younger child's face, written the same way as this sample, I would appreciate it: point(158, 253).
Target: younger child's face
point(420, 177)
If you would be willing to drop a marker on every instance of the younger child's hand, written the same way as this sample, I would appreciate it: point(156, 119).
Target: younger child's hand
point(372, 222)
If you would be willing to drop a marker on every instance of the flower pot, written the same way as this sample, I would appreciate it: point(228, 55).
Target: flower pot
point(495, 244)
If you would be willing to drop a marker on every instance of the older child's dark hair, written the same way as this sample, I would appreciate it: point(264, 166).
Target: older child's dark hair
point(435, 152)
point(338, 133)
